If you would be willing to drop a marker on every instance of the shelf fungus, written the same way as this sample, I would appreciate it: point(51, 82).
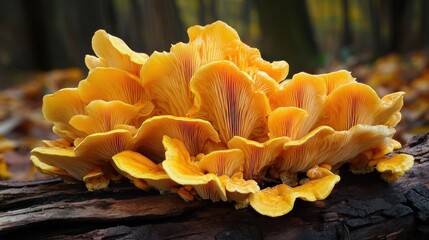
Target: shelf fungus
point(210, 119)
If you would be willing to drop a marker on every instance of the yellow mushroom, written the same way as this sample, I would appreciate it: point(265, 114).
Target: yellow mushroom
point(136, 166)
point(194, 133)
point(258, 157)
point(279, 200)
point(113, 52)
point(226, 97)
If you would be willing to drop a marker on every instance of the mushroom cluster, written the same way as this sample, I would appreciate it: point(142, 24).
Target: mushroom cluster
point(210, 119)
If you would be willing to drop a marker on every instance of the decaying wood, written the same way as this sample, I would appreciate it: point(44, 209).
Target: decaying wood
point(360, 207)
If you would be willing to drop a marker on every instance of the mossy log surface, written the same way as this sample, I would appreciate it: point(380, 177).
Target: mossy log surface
point(360, 207)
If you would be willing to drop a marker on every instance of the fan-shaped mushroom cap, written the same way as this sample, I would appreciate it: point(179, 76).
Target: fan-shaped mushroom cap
point(392, 168)
point(180, 167)
point(93, 152)
point(287, 121)
point(249, 60)
point(335, 79)
point(264, 83)
point(113, 52)
point(222, 162)
point(109, 84)
point(102, 146)
point(238, 189)
point(193, 133)
point(183, 170)
point(105, 116)
point(60, 107)
point(65, 159)
point(226, 97)
point(325, 145)
point(357, 103)
point(213, 190)
point(213, 39)
point(279, 200)
point(168, 87)
point(96, 180)
point(48, 169)
point(221, 42)
point(304, 91)
point(258, 157)
point(137, 166)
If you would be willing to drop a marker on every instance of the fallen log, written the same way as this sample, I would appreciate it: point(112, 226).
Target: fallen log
point(360, 207)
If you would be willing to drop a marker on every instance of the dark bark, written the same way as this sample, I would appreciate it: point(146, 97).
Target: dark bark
point(360, 207)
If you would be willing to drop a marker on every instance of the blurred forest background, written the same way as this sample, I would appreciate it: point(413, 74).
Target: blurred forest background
point(384, 43)
point(52, 34)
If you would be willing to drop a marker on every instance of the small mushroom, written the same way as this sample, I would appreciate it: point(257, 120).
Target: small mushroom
point(137, 166)
point(96, 180)
point(113, 52)
point(65, 159)
point(102, 116)
point(59, 107)
point(222, 162)
point(279, 200)
point(392, 168)
point(335, 79)
point(238, 189)
point(111, 84)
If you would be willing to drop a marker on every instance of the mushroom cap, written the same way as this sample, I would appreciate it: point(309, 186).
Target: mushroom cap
point(279, 200)
point(226, 97)
point(335, 79)
point(48, 169)
point(102, 116)
point(111, 84)
point(59, 107)
point(238, 189)
point(102, 146)
point(65, 159)
point(193, 133)
point(265, 83)
point(236, 183)
point(258, 157)
point(221, 42)
point(357, 103)
point(222, 162)
point(325, 145)
point(287, 121)
point(304, 91)
point(96, 180)
point(213, 190)
point(180, 167)
point(168, 87)
point(113, 52)
point(137, 166)
point(393, 167)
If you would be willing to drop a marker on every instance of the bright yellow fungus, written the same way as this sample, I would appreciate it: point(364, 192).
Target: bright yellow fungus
point(211, 119)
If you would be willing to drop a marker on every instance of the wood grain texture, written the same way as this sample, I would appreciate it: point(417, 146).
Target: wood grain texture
point(360, 207)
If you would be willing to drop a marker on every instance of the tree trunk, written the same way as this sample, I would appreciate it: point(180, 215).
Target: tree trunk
point(286, 33)
point(360, 207)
